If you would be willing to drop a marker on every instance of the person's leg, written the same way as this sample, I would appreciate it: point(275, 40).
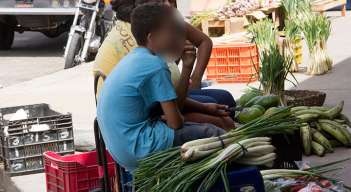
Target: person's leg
point(193, 131)
point(222, 97)
point(225, 123)
point(202, 98)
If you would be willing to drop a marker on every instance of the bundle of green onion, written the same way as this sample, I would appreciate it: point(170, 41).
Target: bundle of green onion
point(292, 33)
point(316, 30)
point(198, 164)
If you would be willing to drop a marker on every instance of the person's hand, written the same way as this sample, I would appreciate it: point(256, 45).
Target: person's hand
point(216, 109)
point(189, 56)
point(227, 123)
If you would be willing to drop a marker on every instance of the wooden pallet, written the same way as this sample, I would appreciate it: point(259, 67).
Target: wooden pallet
point(323, 5)
point(207, 24)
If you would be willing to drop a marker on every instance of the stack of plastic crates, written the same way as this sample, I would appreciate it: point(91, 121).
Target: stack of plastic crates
point(23, 142)
point(77, 173)
point(234, 63)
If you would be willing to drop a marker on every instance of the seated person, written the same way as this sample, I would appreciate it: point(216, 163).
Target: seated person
point(141, 80)
point(120, 41)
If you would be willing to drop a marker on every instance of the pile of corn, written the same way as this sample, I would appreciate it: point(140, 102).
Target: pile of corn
point(324, 128)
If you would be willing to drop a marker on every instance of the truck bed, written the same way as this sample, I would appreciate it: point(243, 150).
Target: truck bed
point(40, 7)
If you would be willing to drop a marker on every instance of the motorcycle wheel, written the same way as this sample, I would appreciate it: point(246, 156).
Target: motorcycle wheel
point(73, 51)
point(6, 37)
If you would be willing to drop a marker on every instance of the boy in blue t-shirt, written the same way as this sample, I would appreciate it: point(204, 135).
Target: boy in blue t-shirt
point(141, 80)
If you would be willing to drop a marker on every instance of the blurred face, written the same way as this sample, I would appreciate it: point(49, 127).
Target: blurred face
point(170, 38)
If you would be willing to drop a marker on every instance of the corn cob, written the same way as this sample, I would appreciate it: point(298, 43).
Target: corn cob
point(319, 138)
point(341, 128)
point(305, 132)
point(308, 117)
point(299, 108)
point(320, 108)
point(335, 111)
point(318, 149)
point(312, 111)
point(335, 132)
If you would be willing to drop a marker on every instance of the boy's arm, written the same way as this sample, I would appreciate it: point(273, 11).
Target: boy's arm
point(188, 59)
point(172, 114)
point(204, 47)
point(206, 108)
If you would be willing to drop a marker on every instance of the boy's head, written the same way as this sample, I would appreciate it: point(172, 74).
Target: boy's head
point(160, 28)
point(172, 3)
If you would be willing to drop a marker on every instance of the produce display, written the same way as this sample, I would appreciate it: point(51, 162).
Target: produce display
point(198, 164)
point(324, 129)
point(299, 181)
point(238, 8)
point(316, 29)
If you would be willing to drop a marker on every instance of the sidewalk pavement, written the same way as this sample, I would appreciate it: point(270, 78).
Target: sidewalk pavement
point(72, 91)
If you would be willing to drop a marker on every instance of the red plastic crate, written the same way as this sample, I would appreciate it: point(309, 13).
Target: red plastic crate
point(76, 173)
point(234, 63)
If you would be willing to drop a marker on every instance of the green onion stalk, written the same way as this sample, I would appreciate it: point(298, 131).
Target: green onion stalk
point(274, 70)
point(198, 164)
point(274, 65)
point(263, 34)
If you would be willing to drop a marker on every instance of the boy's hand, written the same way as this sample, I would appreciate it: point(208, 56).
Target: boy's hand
point(216, 109)
point(189, 56)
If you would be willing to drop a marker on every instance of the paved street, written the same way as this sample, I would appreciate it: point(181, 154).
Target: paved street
point(32, 55)
point(33, 76)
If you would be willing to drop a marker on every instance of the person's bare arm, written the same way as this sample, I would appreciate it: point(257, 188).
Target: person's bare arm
point(206, 108)
point(188, 59)
point(172, 115)
point(204, 45)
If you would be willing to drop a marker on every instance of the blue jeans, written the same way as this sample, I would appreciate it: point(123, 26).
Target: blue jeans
point(218, 96)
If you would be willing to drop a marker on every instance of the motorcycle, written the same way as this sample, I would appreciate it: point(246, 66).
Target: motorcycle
point(87, 33)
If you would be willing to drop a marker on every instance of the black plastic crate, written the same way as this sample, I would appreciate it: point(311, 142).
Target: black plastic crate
point(288, 150)
point(24, 141)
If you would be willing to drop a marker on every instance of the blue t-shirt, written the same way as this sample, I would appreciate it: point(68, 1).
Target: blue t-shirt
point(140, 80)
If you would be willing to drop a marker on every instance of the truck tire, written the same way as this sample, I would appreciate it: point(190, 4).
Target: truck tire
point(6, 37)
point(73, 50)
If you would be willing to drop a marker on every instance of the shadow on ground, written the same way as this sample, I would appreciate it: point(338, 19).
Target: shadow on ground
point(337, 84)
point(36, 44)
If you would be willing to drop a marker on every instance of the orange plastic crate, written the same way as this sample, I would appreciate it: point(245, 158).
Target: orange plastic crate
point(234, 63)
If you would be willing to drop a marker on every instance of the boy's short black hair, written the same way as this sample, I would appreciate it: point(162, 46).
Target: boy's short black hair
point(147, 18)
point(123, 9)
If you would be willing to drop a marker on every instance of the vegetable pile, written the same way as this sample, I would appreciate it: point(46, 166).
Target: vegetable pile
point(316, 29)
point(198, 164)
point(324, 128)
point(308, 180)
point(238, 8)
